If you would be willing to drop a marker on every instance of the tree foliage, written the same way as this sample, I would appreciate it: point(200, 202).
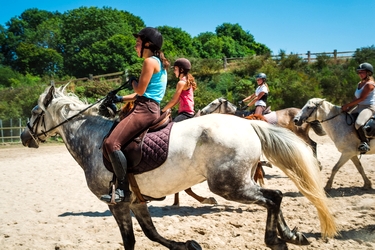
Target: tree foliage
point(38, 46)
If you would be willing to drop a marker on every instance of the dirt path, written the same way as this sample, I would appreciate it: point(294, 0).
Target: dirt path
point(46, 205)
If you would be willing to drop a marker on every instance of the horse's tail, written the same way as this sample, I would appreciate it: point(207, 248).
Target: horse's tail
point(292, 155)
point(318, 128)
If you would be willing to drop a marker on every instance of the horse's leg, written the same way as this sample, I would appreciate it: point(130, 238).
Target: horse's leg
point(176, 202)
point(209, 200)
point(343, 159)
point(360, 169)
point(121, 213)
point(270, 199)
point(259, 174)
point(143, 217)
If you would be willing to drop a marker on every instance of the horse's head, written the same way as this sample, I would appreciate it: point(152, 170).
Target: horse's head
point(309, 112)
point(219, 105)
point(33, 133)
point(52, 111)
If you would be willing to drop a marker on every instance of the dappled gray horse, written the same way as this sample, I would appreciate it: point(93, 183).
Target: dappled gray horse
point(218, 148)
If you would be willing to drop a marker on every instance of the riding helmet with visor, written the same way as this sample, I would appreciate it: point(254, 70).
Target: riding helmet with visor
point(366, 66)
point(261, 76)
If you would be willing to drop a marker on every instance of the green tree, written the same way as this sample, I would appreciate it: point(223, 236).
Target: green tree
point(22, 32)
point(84, 27)
point(177, 43)
point(246, 42)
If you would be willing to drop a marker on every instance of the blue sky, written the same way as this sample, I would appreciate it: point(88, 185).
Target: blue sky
point(295, 26)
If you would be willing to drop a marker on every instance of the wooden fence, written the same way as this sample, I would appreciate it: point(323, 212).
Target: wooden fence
point(11, 130)
point(113, 77)
point(308, 57)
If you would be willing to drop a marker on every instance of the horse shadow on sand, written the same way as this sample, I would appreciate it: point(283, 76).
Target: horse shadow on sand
point(156, 211)
point(332, 193)
point(363, 234)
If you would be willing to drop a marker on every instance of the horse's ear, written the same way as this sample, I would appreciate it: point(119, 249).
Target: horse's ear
point(47, 100)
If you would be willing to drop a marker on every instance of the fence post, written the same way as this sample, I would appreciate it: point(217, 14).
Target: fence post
point(308, 56)
point(20, 121)
point(11, 130)
point(335, 54)
point(225, 62)
point(2, 131)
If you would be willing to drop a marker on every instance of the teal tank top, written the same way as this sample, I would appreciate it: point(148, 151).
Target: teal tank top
point(158, 84)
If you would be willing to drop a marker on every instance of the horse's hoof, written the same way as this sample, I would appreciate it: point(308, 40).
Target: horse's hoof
point(209, 200)
point(298, 239)
point(327, 188)
point(281, 246)
point(192, 245)
point(367, 187)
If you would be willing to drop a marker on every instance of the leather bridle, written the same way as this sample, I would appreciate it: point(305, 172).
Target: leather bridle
point(40, 119)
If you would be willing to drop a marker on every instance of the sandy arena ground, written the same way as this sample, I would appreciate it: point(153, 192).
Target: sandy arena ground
point(46, 204)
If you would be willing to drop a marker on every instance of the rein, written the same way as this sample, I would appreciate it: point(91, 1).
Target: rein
point(332, 117)
point(41, 115)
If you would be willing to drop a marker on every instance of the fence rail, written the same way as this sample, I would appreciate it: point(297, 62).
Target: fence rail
point(10, 132)
point(308, 57)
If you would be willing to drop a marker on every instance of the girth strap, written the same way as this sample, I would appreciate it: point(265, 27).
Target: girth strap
point(135, 188)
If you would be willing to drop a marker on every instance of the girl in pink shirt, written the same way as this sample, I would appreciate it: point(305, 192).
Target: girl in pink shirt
point(185, 88)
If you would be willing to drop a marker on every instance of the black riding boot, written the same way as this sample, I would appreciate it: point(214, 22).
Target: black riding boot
point(119, 165)
point(363, 147)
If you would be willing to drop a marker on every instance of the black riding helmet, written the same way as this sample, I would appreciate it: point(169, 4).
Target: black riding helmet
point(152, 36)
point(366, 66)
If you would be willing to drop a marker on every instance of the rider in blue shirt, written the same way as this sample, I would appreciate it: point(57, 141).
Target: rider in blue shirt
point(148, 92)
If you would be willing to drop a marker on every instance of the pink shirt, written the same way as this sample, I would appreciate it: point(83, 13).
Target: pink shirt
point(186, 101)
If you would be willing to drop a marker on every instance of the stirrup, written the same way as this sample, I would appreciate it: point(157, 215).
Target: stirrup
point(363, 147)
point(119, 197)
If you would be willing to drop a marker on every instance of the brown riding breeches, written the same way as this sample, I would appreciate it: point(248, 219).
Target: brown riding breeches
point(143, 114)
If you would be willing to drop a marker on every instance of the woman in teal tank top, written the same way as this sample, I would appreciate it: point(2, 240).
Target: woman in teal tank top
point(148, 92)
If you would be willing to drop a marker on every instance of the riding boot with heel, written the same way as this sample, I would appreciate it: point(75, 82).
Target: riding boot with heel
point(119, 165)
point(364, 146)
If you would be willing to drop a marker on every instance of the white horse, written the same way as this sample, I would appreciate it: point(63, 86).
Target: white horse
point(340, 128)
point(222, 149)
point(283, 118)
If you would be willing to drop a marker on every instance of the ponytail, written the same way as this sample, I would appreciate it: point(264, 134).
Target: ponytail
point(190, 81)
point(160, 54)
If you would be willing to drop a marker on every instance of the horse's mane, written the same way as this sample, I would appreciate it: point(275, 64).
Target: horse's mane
point(62, 98)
